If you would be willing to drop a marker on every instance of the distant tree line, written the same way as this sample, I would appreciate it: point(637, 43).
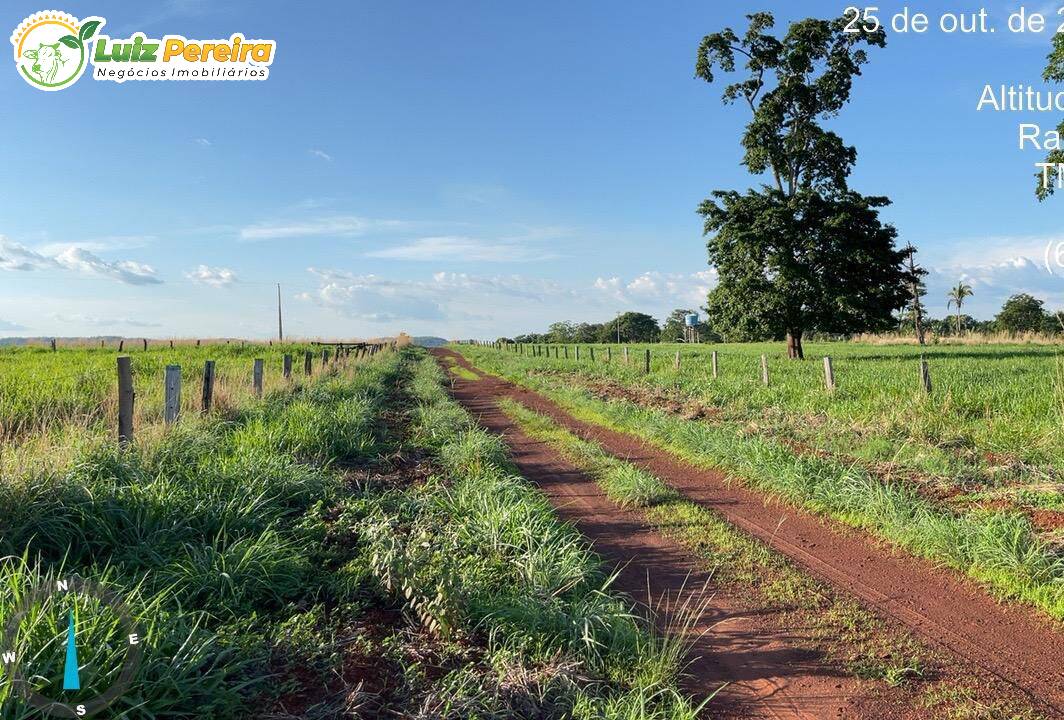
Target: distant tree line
point(630, 327)
point(1021, 313)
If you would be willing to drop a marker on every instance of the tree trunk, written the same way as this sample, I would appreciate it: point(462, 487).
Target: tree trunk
point(794, 345)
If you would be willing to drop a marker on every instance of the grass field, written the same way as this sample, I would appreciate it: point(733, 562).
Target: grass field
point(336, 547)
point(968, 476)
point(41, 390)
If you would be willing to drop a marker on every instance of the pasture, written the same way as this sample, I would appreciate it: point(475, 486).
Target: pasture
point(272, 554)
point(968, 475)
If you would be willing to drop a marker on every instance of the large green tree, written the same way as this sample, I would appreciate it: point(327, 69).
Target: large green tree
point(1053, 72)
point(804, 252)
point(561, 332)
point(1021, 313)
point(631, 327)
point(587, 332)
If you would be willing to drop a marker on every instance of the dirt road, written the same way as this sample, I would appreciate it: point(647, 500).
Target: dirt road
point(773, 676)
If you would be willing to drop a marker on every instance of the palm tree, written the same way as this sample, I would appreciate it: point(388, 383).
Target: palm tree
point(957, 296)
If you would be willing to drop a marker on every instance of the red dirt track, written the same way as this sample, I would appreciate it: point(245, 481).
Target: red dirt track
point(770, 674)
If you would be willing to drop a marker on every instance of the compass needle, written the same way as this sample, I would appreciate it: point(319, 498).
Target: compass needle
point(101, 617)
point(70, 673)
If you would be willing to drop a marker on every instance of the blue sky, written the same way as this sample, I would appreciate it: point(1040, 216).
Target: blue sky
point(467, 169)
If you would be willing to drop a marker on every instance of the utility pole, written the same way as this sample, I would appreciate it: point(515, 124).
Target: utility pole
point(280, 327)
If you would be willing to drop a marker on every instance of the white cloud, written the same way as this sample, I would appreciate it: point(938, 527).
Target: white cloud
point(996, 267)
point(213, 276)
point(476, 305)
point(657, 290)
point(14, 256)
point(444, 296)
point(453, 247)
point(375, 299)
point(320, 154)
point(9, 326)
point(125, 271)
point(992, 283)
point(332, 226)
point(83, 320)
point(106, 243)
point(202, 142)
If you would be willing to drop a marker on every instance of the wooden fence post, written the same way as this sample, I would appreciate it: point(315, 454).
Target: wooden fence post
point(625, 354)
point(565, 350)
point(308, 363)
point(324, 357)
point(925, 376)
point(197, 343)
point(592, 354)
point(145, 343)
point(171, 344)
point(121, 344)
point(713, 360)
point(256, 376)
point(764, 370)
point(208, 386)
point(676, 363)
point(125, 400)
point(829, 374)
point(53, 344)
point(609, 354)
point(646, 362)
point(172, 384)
point(578, 352)
point(286, 366)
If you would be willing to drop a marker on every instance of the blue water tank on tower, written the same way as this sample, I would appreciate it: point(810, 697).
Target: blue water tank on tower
point(691, 319)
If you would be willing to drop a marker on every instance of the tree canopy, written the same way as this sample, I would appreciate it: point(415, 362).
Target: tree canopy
point(633, 326)
point(1053, 72)
point(806, 252)
point(1021, 313)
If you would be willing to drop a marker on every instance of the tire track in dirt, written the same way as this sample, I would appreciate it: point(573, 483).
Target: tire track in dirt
point(765, 671)
point(1009, 642)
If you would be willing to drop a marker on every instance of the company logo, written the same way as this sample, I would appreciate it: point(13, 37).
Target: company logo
point(52, 50)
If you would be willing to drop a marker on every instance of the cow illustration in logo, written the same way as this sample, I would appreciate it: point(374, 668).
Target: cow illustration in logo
point(48, 59)
point(51, 48)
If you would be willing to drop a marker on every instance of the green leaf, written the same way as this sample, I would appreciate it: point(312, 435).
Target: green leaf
point(88, 29)
point(70, 41)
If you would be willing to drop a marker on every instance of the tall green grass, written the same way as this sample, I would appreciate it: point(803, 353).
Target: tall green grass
point(209, 531)
point(477, 551)
point(41, 390)
point(988, 401)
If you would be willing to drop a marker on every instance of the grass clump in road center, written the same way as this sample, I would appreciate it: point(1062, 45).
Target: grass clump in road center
point(478, 556)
